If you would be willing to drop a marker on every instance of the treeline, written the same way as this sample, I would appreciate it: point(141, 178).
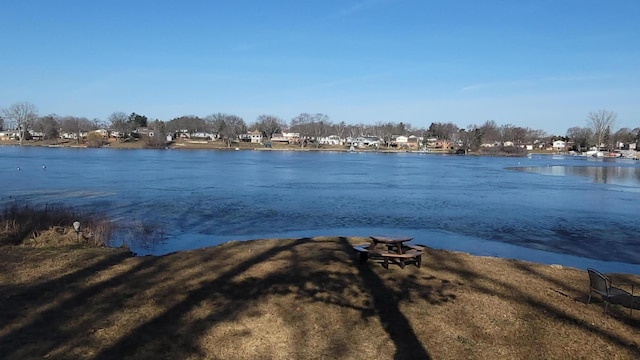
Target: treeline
point(229, 128)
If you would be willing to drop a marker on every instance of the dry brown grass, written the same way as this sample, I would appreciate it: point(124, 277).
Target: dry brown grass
point(297, 299)
point(47, 225)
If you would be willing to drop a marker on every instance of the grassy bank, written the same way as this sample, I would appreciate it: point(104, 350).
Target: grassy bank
point(298, 299)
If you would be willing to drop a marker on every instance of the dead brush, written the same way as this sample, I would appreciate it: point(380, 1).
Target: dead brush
point(51, 224)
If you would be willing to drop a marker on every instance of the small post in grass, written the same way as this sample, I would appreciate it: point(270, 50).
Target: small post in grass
point(76, 227)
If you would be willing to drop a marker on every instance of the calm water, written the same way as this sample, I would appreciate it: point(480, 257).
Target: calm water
point(573, 211)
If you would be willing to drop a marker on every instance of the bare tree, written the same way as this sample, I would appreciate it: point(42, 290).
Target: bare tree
point(269, 125)
point(228, 127)
point(311, 127)
point(519, 135)
point(340, 129)
point(533, 135)
point(471, 137)
point(356, 130)
point(489, 131)
point(320, 127)
point(601, 122)
point(157, 137)
point(580, 137)
point(79, 126)
point(506, 133)
point(48, 126)
point(22, 115)
point(120, 123)
point(624, 137)
point(442, 131)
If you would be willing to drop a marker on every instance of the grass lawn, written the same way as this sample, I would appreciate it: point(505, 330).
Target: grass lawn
point(298, 299)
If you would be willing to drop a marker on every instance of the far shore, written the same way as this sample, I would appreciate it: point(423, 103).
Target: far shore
point(300, 298)
point(183, 144)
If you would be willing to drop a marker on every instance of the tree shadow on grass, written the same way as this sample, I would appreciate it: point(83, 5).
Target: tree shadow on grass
point(66, 316)
point(491, 284)
point(305, 298)
point(386, 306)
point(301, 278)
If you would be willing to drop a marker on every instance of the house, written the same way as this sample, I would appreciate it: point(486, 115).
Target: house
point(279, 138)
point(8, 135)
point(401, 140)
point(441, 144)
point(413, 142)
point(73, 135)
point(331, 140)
point(102, 132)
point(364, 141)
point(36, 135)
point(255, 137)
point(559, 145)
point(286, 137)
point(201, 135)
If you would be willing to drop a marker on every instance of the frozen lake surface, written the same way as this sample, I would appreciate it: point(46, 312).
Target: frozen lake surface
point(573, 211)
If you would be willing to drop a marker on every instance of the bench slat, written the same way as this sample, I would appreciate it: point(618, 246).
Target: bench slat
point(405, 255)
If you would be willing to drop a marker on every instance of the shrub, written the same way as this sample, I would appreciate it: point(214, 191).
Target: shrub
point(95, 140)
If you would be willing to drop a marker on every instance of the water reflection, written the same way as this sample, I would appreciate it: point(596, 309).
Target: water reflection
point(616, 175)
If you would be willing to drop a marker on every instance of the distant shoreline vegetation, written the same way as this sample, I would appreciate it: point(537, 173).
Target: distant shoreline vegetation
point(216, 145)
point(21, 123)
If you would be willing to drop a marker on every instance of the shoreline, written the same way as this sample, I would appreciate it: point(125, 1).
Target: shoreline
point(454, 242)
point(212, 145)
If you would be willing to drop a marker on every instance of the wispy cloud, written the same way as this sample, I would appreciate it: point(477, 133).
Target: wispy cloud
point(532, 82)
point(357, 7)
point(495, 85)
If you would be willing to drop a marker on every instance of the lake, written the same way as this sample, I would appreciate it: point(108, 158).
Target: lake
point(574, 211)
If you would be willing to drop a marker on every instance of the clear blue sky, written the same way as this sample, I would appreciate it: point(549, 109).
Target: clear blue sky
point(543, 64)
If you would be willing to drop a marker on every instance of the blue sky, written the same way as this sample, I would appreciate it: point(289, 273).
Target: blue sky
point(541, 64)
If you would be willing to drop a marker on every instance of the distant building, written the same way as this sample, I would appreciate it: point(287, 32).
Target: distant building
point(254, 137)
point(559, 145)
point(331, 140)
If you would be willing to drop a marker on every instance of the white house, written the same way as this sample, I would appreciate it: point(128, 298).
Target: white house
point(401, 140)
point(202, 135)
point(559, 145)
point(102, 132)
point(286, 137)
point(255, 136)
point(331, 140)
point(8, 135)
point(364, 141)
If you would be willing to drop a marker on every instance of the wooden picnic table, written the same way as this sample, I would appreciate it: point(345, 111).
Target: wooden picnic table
point(391, 242)
point(395, 249)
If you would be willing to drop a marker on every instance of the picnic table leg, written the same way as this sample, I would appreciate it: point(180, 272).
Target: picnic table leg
point(364, 257)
